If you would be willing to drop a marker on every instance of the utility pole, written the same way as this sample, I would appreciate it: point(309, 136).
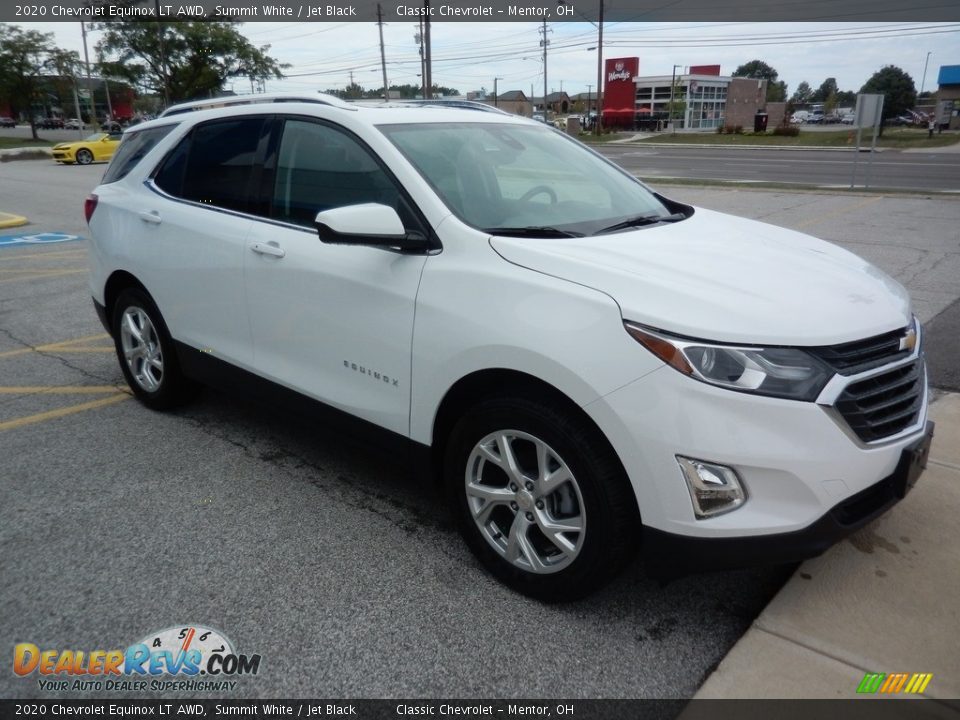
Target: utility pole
point(544, 42)
point(924, 81)
point(418, 38)
point(86, 62)
point(428, 77)
point(163, 58)
point(598, 127)
point(496, 102)
point(383, 57)
point(589, 89)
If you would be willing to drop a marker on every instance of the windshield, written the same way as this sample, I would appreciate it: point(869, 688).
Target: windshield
point(95, 136)
point(522, 179)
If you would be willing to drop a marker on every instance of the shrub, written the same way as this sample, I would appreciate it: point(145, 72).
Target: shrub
point(786, 130)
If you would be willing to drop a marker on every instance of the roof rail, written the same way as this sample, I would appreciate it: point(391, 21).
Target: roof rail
point(235, 100)
point(462, 104)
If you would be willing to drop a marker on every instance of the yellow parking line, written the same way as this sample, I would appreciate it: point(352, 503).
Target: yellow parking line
point(52, 273)
point(59, 389)
point(62, 412)
point(62, 346)
point(31, 255)
point(841, 211)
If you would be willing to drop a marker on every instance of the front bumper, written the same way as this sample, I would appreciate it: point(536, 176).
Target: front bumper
point(669, 555)
point(797, 460)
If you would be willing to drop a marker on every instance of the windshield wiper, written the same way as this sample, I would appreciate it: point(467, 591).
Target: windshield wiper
point(532, 231)
point(639, 220)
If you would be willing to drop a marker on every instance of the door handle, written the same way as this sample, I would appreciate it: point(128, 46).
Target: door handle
point(269, 248)
point(150, 216)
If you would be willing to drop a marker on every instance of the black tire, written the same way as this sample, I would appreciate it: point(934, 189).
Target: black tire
point(600, 495)
point(84, 156)
point(159, 389)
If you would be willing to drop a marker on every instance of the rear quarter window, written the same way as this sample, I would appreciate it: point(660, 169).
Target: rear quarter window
point(133, 147)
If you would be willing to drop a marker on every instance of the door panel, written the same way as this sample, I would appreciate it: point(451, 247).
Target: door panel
point(332, 321)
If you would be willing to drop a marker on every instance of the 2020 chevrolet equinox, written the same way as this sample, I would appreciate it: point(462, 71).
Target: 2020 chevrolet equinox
point(585, 364)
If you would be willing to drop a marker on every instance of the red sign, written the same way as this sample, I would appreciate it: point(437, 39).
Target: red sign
point(619, 91)
point(705, 70)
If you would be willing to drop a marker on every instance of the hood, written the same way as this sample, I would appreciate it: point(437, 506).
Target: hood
point(723, 278)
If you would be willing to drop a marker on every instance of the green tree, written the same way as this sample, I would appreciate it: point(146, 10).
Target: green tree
point(183, 60)
point(896, 86)
point(776, 91)
point(802, 94)
point(25, 57)
point(827, 88)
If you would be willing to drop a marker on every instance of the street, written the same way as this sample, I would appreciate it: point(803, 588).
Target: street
point(824, 168)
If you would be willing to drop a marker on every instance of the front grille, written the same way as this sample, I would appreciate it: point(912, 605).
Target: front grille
point(862, 355)
point(885, 404)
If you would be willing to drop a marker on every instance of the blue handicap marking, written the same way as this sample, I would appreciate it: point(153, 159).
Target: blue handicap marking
point(36, 239)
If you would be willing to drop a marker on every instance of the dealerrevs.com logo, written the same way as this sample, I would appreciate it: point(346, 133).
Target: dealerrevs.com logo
point(186, 658)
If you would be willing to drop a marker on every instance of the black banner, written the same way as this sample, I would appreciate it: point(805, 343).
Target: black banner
point(854, 709)
point(647, 11)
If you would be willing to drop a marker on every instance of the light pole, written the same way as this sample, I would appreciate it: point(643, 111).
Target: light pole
point(599, 126)
point(673, 86)
point(496, 103)
point(924, 81)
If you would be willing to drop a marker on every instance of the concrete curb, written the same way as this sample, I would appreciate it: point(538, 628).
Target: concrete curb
point(882, 601)
point(9, 220)
point(644, 143)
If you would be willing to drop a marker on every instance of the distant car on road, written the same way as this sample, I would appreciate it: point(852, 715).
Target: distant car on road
point(7, 122)
point(99, 147)
point(49, 123)
point(73, 124)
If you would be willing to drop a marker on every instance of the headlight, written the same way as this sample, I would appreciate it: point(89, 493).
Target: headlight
point(775, 371)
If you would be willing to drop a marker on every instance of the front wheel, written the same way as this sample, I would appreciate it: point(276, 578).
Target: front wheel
point(84, 156)
point(146, 354)
point(540, 498)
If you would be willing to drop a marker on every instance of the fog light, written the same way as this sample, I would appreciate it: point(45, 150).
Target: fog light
point(714, 489)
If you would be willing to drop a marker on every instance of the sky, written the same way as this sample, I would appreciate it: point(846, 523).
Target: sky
point(467, 56)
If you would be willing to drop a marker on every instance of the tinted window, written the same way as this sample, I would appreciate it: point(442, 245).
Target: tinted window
point(215, 164)
point(319, 167)
point(133, 146)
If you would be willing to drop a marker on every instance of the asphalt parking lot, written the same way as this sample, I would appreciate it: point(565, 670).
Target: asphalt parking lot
point(335, 565)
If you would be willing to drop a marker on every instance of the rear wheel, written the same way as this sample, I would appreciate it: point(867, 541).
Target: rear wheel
point(84, 156)
point(146, 354)
point(540, 498)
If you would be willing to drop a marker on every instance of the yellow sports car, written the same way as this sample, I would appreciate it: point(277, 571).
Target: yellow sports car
point(99, 146)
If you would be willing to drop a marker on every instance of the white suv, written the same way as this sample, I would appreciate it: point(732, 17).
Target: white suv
point(583, 363)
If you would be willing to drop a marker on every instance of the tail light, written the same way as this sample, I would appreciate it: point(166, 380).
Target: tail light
point(89, 205)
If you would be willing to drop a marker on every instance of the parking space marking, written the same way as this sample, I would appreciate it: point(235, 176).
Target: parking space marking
point(59, 389)
point(841, 211)
point(37, 274)
point(63, 412)
point(76, 345)
point(43, 238)
point(42, 255)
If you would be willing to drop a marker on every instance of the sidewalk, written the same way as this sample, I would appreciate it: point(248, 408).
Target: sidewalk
point(886, 600)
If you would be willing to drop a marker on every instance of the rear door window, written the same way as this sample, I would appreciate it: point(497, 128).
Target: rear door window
point(133, 146)
point(216, 164)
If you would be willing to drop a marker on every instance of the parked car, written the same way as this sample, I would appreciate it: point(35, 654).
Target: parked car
point(592, 364)
point(7, 122)
point(74, 124)
point(98, 147)
point(50, 123)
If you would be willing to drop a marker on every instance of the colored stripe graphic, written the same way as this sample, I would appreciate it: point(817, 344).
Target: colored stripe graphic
point(893, 683)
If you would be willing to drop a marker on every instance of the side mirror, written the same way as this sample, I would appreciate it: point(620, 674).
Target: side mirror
point(367, 224)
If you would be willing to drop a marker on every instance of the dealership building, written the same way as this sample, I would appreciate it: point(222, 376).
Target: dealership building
point(703, 99)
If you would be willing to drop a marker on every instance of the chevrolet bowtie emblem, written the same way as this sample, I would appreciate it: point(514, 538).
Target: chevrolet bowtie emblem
point(909, 340)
